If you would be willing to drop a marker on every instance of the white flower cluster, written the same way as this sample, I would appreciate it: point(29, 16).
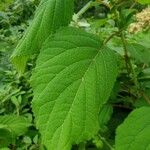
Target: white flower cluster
point(143, 21)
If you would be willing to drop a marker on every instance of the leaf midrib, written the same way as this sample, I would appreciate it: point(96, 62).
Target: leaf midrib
point(92, 61)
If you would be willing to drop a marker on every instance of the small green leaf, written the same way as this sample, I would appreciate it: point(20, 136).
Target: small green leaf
point(27, 140)
point(73, 78)
point(126, 18)
point(98, 142)
point(139, 52)
point(50, 15)
point(144, 1)
point(134, 133)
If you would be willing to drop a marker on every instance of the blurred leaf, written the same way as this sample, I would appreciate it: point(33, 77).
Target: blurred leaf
point(126, 18)
point(16, 101)
point(16, 125)
point(27, 140)
point(140, 103)
point(96, 23)
point(4, 148)
point(4, 4)
point(5, 137)
point(144, 1)
point(142, 38)
point(139, 52)
point(98, 142)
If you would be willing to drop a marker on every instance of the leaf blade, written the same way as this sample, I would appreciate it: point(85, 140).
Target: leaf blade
point(75, 76)
point(50, 15)
point(139, 52)
point(134, 130)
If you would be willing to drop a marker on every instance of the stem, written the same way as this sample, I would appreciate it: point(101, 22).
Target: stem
point(128, 62)
point(146, 97)
point(89, 5)
point(82, 146)
point(125, 54)
point(132, 6)
point(17, 109)
point(122, 106)
point(111, 36)
point(104, 3)
point(106, 142)
point(85, 8)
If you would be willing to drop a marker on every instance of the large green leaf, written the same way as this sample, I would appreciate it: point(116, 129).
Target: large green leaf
point(134, 133)
point(72, 80)
point(50, 15)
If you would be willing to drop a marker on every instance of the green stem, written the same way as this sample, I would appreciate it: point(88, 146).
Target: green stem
point(82, 146)
point(146, 97)
point(89, 5)
point(106, 142)
point(83, 10)
point(111, 36)
point(128, 62)
point(17, 109)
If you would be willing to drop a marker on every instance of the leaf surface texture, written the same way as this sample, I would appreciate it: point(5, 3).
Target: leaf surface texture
point(49, 16)
point(72, 80)
point(134, 133)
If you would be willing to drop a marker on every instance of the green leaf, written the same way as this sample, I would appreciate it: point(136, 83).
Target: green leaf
point(139, 52)
point(126, 18)
point(4, 148)
point(105, 114)
point(73, 78)
point(50, 15)
point(134, 133)
point(16, 125)
point(143, 38)
point(140, 103)
point(5, 138)
point(144, 1)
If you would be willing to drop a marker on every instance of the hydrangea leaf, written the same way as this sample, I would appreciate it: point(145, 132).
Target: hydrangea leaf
point(50, 15)
point(73, 78)
point(134, 133)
